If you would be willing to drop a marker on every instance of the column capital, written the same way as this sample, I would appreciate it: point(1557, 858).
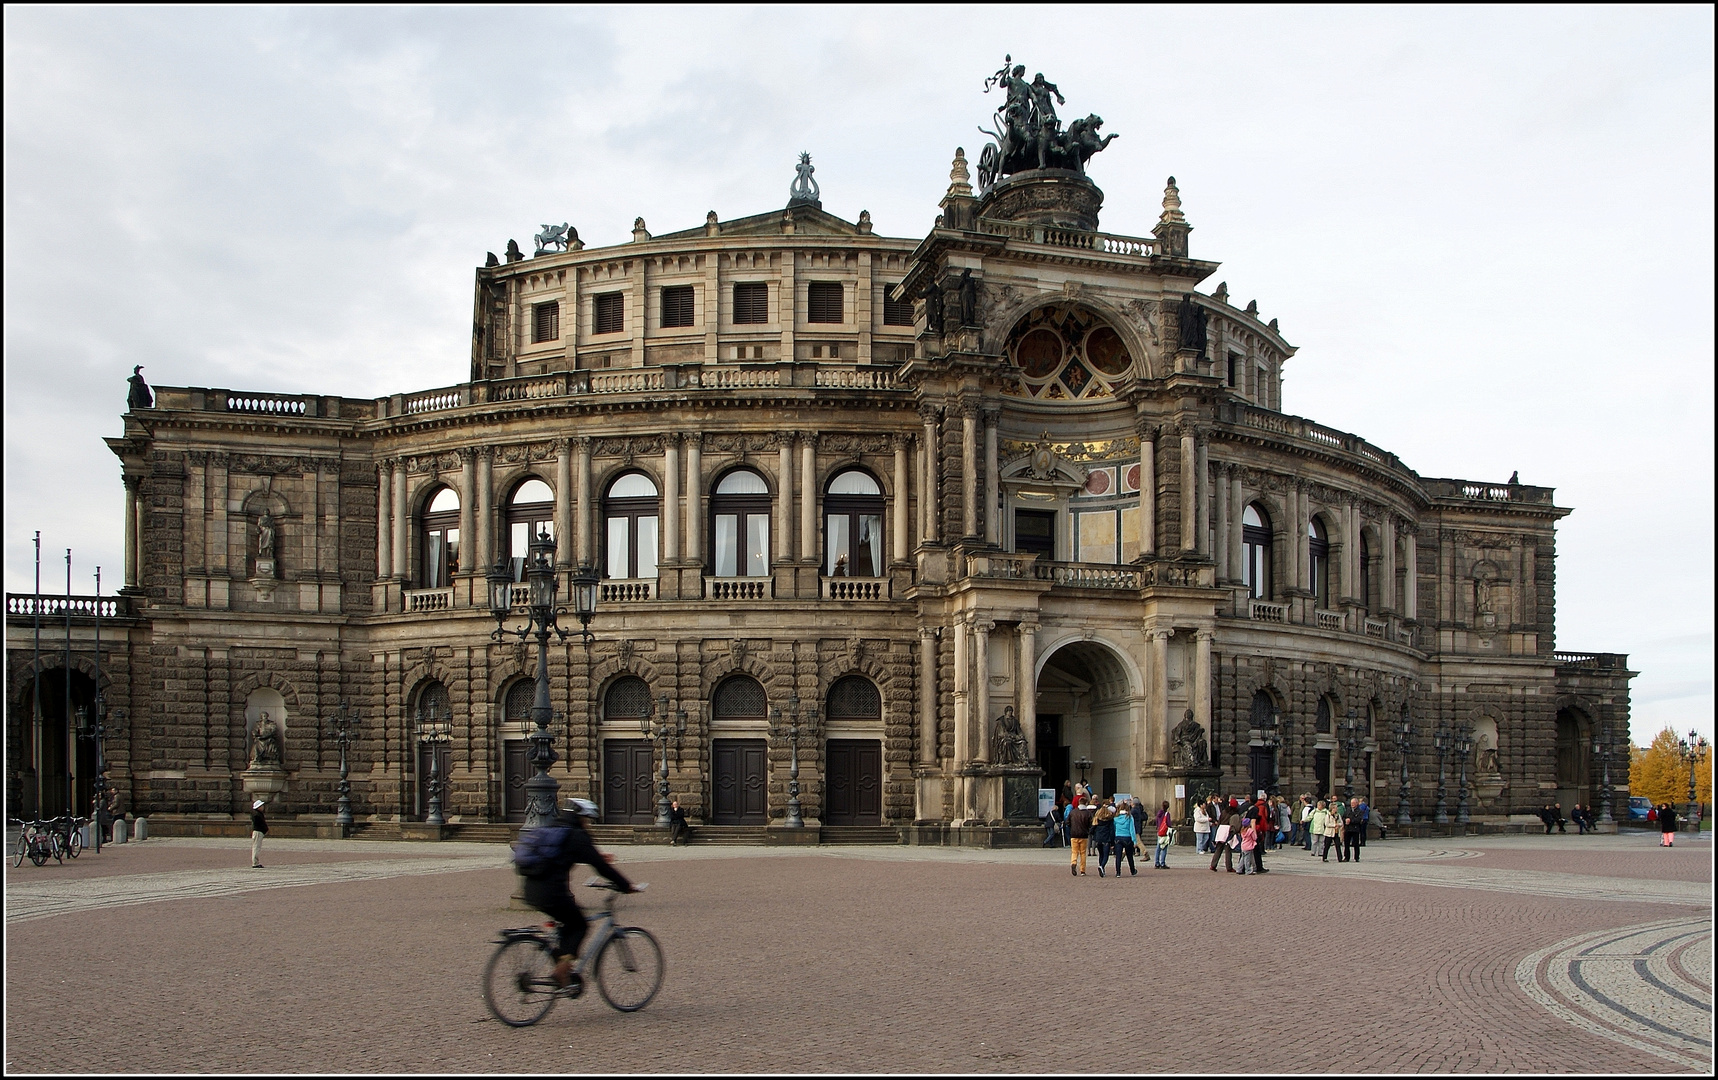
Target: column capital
point(980, 623)
point(1147, 429)
point(992, 413)
point(899, 442)
point(1158, 633)
point(1030, 625)
point(968, 406)
point(582, 442)
point(467, 455)
point(927, 632)
point(694, 438)
point(930, 414)
point(1204, 633)
point(671, 440)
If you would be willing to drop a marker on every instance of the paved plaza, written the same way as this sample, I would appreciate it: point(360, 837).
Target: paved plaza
point(1519, 953)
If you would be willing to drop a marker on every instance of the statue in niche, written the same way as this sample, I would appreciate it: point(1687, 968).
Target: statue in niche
point(1486, 755)
point(1192, 320)
point(265, 536)
point(1008, 744)
point(933, 296)
point(968, 299)
point(1482, 595)
point(139, 397)
point(265, 742)
point(1191, 751)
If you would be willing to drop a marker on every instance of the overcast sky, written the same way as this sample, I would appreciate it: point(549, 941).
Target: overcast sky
point(1489, 231)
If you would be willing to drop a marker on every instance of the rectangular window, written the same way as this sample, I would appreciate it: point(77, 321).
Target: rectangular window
point(619, 529)
point(677, 305)
point(1035, 531)
point(757, 545)
point(727, 545)
point(835, 352)
point(610, 313)
point(896, 312)
point(751, 302)
point(1234, 364)
point(546, 322)
point(823, 302)
point(646, 553)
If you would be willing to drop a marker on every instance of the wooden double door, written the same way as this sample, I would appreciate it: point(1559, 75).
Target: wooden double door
point(853, 782)
point(628, 775)
point(739, 782)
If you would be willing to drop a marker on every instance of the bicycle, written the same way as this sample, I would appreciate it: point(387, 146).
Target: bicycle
point(519, 984)
point(37, 842)
point(69, 831)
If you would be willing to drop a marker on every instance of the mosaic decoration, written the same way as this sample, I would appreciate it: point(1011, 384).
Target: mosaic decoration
point(1065, 352)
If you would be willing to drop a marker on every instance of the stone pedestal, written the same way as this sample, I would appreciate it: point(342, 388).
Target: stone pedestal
point(1001, 794)
point(1060, 198)
point(263, 581)
point(1198, 783)
point(264, 782)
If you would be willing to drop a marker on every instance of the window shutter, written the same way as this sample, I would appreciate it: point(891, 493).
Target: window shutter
point(610, 313)
point(751, 302)
point(546, 322)
point(677, 305)
point(896, 312)
point(823, 302)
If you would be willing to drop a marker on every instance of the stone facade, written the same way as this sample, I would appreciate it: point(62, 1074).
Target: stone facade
point(1072, 491)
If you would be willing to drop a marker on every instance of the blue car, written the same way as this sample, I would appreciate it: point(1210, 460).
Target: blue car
point(1639, 807)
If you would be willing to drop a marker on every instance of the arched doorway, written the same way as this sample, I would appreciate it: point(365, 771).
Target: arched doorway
point(739, 755)
point(1085, 713)
point(1573, 765)
point(57, 769)
point(627, 763)
point(853, 769)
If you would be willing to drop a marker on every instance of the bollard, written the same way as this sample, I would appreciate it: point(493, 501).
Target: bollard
point(119, 830)
point(87, 834)
point(142, 827)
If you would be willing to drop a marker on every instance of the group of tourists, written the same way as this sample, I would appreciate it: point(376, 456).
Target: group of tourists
point(1251, 827)
point(1108, 828)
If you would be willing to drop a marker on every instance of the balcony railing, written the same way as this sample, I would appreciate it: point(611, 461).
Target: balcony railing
point(1106, 243)
point(1087, 575)
point(1377, 628)
point(855, 588)
point(627, 590)
point(1595, 661)
point(1331, 620)
point(739, 588)
point(1267, 612)
point(429, 599)
point(29, 605)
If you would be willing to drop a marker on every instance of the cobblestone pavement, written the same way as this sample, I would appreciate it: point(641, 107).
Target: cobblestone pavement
point(1445, 958)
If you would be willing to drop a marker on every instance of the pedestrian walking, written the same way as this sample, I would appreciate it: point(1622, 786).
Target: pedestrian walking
point(1201, 829)
point(1324, 826)
point(1165, 836)
point(1667, 825)
point(1225, 842)
point(1053, 823)
point(1250, 846)
point(1352, 825)
point(1305, 824)
point(1126, 831)
point(259, 829)
point(1079, 833)
point(1104, 833)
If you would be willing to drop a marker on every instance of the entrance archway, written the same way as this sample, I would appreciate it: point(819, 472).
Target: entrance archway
point(1085, 711)
point(1573, 765)
point(57, 768)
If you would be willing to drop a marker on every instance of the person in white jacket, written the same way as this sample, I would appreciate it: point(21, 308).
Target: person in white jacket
point(1201, 828)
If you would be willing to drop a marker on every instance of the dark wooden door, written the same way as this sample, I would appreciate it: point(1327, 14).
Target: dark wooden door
point(739, 782)
point(515, 770)
point(431, 754)
point(853, 782)
point(1262, 764)
point(626, 770)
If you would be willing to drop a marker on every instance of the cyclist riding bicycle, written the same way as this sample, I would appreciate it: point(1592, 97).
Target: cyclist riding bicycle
point(548, 890)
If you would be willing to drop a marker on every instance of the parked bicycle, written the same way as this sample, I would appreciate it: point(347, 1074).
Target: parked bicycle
point(38, 842)
point(69, 831)
point(519, 984)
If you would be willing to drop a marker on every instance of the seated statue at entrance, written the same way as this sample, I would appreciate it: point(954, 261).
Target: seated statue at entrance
point(1008, 745)
point(1191, 751)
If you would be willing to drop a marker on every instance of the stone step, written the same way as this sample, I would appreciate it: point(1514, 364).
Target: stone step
point(861, 834)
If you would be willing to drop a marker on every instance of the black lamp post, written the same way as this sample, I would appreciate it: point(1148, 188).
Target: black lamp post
point(1084, 765)
point(1350, 749)
point(1463, 748)
point(1441, 740)
point(435, 731)
point(1271, 737)
point(542, 619)
point(340, 727)
point(92, 727)
point(1602, 748)
point(661, 731)
point(1404, 743)
point(796, 717)
point(1694, 752)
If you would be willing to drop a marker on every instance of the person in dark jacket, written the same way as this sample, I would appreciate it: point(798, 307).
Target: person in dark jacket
point(678, 826)
point(1667, 825)
point(1079, 833)
point(550, 892)
point(1225, 849)
point(259, 829)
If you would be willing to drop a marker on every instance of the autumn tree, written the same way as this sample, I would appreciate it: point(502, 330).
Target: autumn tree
point(1660, 773)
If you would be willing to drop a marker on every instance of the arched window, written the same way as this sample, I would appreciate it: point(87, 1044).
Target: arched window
point(853, 526)
point(441, 540)
point(520, 697)
point(530, 511)
point(1256, 552)
point(854, 697)
point(739, 698)
point(627, 699)
point(1365, 593)
point(631, 512)
point(1322, 723)
point(1318, 560)
point(740, 525)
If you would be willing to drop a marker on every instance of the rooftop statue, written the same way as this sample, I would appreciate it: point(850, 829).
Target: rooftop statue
point(138, 397)
point(1028, 133)
point(805, 190)
point(556, 237)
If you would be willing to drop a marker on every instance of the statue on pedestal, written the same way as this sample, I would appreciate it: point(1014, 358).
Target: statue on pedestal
point(265, 742)
point(1008, 743)
point(1190, 748)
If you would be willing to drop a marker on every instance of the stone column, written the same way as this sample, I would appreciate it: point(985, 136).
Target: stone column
point(962, 699)
point(1411, 578)
point(586, 517)
point(1224, 572)
point(1189, 489)
point(1157, 697)
point(1387, 541)
point(969, 468)
point(1236, 513)
point(384, 520)
point(784, 500)
point(808, 497)
point(1350, 552)
point(1147, 488)
point(1202, 676)
point(981, 629)
point(900, 547)
point(400, 522)
point(671, 499)
point(992, 487)
point(130, 484)
point(927, 696)
point(1295, 533)
point(1026, 685)
point(563, 502)
point(1202, 497)
point(695, 496)
point(469, 561)
point(485, 510)
point(929, 512)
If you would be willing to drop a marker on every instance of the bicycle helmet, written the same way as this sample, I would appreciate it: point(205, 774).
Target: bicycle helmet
point(582, 808)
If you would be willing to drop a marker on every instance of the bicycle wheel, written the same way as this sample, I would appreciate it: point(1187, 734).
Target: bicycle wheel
point(519, 983)
point(76, 844)
point(58, 848)
point(23, 851)
point(629, 971)
point(39, 851)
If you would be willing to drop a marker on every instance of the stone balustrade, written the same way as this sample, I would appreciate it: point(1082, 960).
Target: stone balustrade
point(852, 588)
point(47, 606)
point(417, 600)
point(1264, 611)
point(1331, 620)
point(746, 588)
point(627, 590)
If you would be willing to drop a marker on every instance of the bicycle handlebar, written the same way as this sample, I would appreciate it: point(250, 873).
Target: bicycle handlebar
point(605, 883)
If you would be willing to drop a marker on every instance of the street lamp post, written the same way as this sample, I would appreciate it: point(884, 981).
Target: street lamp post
point(91, 726)
point(542, 618)
point(1463, 748)
point(1350, 749)
point(1271, 737)
point(340, 727)
point(1404, 743)
point(796, 717)
point(1694, 752)
point(435, 731)
point(668, 726)
point(1602, 747)
point(1084, 765)
point(1441, 739)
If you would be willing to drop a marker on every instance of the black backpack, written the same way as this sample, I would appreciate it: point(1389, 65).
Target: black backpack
point(541, 851)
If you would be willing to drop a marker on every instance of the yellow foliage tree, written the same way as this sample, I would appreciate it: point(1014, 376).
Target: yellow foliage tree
point(1660, 773)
